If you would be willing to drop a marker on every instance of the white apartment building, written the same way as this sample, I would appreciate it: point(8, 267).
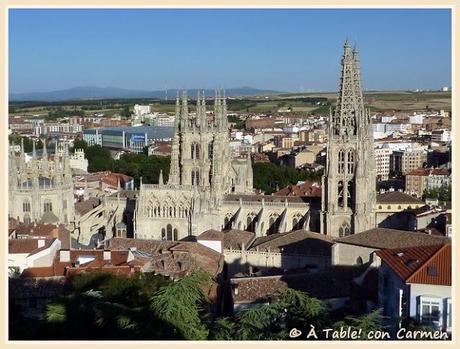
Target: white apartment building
point(382, 162)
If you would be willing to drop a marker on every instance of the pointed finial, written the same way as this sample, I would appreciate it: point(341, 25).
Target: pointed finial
point(22, 145)
point(56, 148)
point(160, 178)
point(44, 147)
point(34, 153)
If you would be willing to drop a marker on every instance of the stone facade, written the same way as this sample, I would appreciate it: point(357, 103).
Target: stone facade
point(207, 187)
point(40, 189)
point(349, 180)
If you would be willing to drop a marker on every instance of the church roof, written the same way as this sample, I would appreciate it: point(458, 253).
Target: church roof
point(397, 197)
point(49, 217)
point(391, 238)
point(297, 241)
point(333, 282)
point(304, 189)
point(266, 198)
point(231, 239)
point(174, 258)
point(85, 206)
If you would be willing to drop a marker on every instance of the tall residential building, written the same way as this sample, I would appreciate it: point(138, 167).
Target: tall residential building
point(382, 162)
point(349, 180)
point(412, 160)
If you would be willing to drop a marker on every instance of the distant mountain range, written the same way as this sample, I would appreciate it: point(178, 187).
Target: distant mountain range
point(90, 92)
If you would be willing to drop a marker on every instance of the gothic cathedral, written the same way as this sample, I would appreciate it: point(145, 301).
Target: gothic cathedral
point(349, 180)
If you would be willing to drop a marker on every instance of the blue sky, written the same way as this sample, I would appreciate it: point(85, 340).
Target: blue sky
point(288, 50)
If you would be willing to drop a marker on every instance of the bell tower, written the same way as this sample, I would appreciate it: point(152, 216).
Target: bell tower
point(349, 180)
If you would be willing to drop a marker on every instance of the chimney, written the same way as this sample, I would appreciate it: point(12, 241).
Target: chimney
point(64, 255)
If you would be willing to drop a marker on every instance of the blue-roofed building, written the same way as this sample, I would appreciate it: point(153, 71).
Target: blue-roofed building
point(132, 139)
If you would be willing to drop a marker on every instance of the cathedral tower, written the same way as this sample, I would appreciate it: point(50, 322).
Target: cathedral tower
point(349, 180)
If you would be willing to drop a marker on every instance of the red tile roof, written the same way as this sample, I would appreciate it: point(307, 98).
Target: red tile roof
point(26, 245)
point(308, 188)
point(429, 171)
point(421, 264)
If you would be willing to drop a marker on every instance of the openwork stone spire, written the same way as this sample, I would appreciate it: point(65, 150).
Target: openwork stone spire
point(349, 180)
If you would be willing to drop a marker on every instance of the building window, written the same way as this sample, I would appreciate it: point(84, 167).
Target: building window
point(169, 232)
point(350, 162)
point(163, 234)
point(27, 219)
point(429, 311)
point(175, 234)
point(449, 314)
point(26, 206)
point(195, 151)
point(341, 161)
point(48, 206)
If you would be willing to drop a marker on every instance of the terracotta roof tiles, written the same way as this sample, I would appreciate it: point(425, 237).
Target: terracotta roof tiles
point(421, 264)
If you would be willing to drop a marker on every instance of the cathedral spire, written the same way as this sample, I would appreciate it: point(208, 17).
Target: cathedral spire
point(349, 179)
point(160, 178)
point(349, 108)
point(34, 153)
point(45, 152)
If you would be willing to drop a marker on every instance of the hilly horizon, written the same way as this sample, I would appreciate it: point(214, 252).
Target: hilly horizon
point(93, 92)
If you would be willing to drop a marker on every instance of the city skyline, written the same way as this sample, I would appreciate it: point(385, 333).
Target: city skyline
point(278, 49)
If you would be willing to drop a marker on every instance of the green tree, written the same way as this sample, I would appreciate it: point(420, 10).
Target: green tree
point(366, 323)
point(182, 305)
point(99, 159)
point(79, 143)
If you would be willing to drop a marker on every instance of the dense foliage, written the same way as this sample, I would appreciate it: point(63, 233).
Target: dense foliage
point(443, 193)
point(269, 177)
point(146, 306)
point(60, 112)
point(134, 165)
point(28, 143)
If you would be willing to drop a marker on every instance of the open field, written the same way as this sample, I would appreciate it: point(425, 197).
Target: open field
point(304, 103)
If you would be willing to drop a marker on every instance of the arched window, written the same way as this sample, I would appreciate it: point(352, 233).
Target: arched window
point(250, 222)
point(169, 232)
point(359, 261)
point(195, 151)
point(340, 194)
point(210, 150)
point(341, 162)
point(350, 193)
point(344, 230)
point(195, 177)
point(226, 221)
point(163, 234)
point(389, 207)
point(175, 234)
point(380, 207)
point(350, 162)
point(26, 218)
point(47, 206)
point(26, 205)
point(294, 223)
